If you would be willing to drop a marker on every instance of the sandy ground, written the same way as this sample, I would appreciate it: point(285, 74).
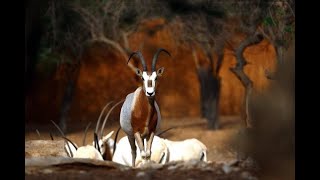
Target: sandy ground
point(217, 142)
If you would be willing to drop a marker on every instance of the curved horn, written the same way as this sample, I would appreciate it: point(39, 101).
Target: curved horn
point(64, 137)
point(160, 133)
point(96, 142)
point(155, 58)
point(143, 62)
point(115, 141)
point(51, 136)
point(98, 122)
point(85, 134)
point(67, 139)
point(106, 118)
point(38, 133)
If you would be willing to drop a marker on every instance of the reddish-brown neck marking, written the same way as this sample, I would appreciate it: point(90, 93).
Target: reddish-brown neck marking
point(144, 115)
point(107, 154)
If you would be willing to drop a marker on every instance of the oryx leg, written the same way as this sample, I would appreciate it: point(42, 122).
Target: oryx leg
point(133, 150)
point(140, 144)
point(149, 144)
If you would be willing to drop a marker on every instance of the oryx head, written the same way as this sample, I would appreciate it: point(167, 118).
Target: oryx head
point(149, 78)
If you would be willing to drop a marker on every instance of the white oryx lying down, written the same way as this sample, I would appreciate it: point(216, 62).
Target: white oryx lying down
point(123, 155)
point(102, 146)
point(163, 151)
point(186, 150)
point(89, 152)
point(74, 151)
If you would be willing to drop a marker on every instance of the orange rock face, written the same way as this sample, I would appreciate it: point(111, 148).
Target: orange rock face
point(104, 76)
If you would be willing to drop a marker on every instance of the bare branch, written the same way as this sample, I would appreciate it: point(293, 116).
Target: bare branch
point(97, 33)
point(269, 75)
point(195, 58)
point(96, 26)
point(290, 8)
point(265, 35)
point(126, 42)
point(86, 14)
point(88, 19)
point(251, 40)
point(219, 62)
point(53, 22)
point(116, 46)
point(271, 16)
point(238, 71)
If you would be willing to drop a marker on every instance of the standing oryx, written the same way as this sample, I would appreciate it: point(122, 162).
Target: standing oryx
point(140, 115)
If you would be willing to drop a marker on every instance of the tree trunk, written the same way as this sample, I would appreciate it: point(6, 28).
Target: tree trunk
point(279, 52)
point(238, 71)
point(209, 90)
point(33, 32)
point(65, 105)
point(68, 96)
point(209, 96)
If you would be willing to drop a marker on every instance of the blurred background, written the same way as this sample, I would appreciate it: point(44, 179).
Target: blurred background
point(231, 65)
point(76, 54)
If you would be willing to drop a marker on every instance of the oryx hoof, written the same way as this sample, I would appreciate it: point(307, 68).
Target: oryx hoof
point(148, 154)
point(143, 154)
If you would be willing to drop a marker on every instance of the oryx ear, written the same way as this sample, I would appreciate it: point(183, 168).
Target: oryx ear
point(138, 72)
point(160, 71)
point(107, 136)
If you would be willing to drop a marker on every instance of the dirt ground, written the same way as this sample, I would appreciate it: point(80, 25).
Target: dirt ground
point(220, 153)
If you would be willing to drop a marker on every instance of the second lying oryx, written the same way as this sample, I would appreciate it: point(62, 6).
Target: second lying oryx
point(102, 146)
point(74, 151)
point(140, 115)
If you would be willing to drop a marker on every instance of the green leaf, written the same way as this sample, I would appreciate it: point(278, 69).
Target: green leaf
point(268, 21)
point(289, 29)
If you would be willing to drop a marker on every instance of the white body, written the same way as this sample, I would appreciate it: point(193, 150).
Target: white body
point(126, 110)
point(189, 149)
point(123, 155)
point(186, 150)
point(88, 152)
point(72, 148)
